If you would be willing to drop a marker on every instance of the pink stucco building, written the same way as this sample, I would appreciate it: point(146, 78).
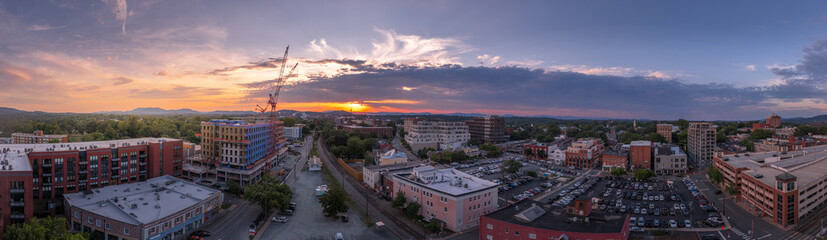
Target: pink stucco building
point(456, 198)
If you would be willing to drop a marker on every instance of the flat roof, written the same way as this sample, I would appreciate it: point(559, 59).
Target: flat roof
point(807, 164)
point(556, 218)
point(449, 181)
point(142, 202)
point(16, 154)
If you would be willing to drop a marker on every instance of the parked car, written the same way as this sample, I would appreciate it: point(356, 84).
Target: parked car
point(280, 219)
point(673, 223)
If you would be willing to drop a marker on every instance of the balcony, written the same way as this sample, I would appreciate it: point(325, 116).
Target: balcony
point(83, 171)
point(17, 216)
point(81, 181)
point(17, 204)
point(47, 165)
point(47, 174)
point(46, 184)
point(116, 168)
point(142, 163)
point(143, 172)
point(17, 190)
point(143, 155)
point(84, 162)
point(115, 176)
point(115, 159)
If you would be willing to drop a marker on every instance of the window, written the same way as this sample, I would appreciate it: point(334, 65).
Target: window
point(98, 222)
point(489, 237)
point(126, 231)
point(489, 226)
point(532, 236)
point(446, 209)
point(89, 220)
point(106, 226)
point(77, 215)
point(790, 186)
point(780, 186)
point(506, 230)
point(516, 233)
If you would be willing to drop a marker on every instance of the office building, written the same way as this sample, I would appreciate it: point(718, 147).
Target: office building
point(488, 129)
point(612, 160)
point(529, 219)
point(35, 177)
point(237, 150)
point(160, 208)
point(38, 137)
point(700, 143)
point(448, 195)
point(431, 134)
point(293, 133)
point(584, 153)
point(780, 187)
point(669, 160)
point(640, 155)
point(665, 130)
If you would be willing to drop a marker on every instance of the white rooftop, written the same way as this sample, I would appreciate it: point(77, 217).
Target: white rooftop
point(449, 180)
point(393, 153)
point(641, 143)
point(142, 202)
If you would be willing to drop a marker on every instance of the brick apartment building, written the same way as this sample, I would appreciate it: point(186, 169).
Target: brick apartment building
point(665, 130)
point(36, 176)
point(532, 151)
point(488, 129)
point(449, 195)
point(38, 137)
point(640, 155)
point(780, 187)
point(776, 145)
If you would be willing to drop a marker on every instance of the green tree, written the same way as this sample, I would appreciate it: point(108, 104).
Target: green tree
point(715, 174)
point(399, 201)
point(618, 171)
point(475, 142)
point(412, 210)
point(434, 225)
point(732, 190)
point(234, 188)
point(269, 194)
point(760, 134)
point(683, 124)
point(643, 174)
point(511, 166)
point(749, 144)
point(655, 137)
point(720, 137)
point(42, 229)
point(334, 201)
point(531, 173)
point(492, 150)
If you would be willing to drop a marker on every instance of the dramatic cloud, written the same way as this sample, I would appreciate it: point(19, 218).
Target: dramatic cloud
point(38, 27)
point(486, 59)
point(121, 81)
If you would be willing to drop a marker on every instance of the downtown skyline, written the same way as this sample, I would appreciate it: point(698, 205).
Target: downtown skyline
point(640, 59)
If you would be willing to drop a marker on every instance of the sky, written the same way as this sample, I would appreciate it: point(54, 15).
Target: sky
point(697, 60)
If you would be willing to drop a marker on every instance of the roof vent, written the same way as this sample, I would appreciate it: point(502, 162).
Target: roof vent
point(158, 206)
point(134, 206)
point(759, 176)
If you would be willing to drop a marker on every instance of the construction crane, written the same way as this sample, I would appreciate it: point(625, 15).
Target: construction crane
point(273, 92)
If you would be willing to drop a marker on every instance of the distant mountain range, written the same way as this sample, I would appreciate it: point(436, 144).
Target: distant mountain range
point(183, 111)
point(819, 118)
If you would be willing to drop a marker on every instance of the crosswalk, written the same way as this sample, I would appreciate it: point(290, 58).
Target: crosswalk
point(739, 233)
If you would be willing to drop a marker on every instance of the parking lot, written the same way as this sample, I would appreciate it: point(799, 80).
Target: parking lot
point(662, 204)
point(518, 186)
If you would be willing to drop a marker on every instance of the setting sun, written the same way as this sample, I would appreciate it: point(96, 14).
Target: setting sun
point(355, 107)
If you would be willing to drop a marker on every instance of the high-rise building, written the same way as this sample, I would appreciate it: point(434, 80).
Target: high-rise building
point(665, 130)
point(237, 150)
point(35, 177)
point(701, 143)
point(488, 129)
point(774, 121)
point(422, 133)
point(38, 137)
point(640, 155)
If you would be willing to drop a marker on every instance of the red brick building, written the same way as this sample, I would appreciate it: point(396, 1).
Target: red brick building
point(536, 152)
point(41, 173)
point(38, 137)
point(612, 160)
point(640, 155)
point(584, 153)
point(530, 220)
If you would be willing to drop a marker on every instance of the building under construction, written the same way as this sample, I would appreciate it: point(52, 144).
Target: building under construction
point(237, 150)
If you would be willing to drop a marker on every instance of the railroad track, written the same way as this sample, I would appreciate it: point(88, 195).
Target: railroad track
point(361, 194)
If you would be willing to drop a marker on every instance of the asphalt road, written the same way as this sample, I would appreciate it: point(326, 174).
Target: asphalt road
point(235, 224)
